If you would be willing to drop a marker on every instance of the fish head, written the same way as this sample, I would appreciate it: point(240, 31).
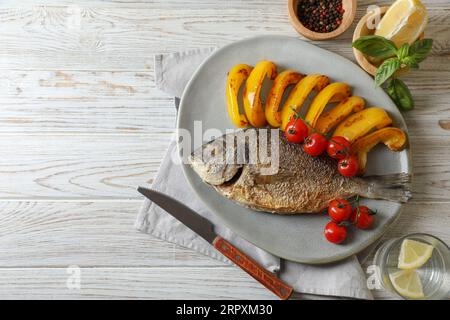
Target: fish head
point(223, 160)
point(216, 162)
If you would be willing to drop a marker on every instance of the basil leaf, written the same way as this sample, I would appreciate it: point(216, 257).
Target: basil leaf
point(391, 91)
point(419, 50)
point(375, 46)
point(404, 96)
point(387, 69)
point(400, 94)
point(410, 62)
point(403, 51)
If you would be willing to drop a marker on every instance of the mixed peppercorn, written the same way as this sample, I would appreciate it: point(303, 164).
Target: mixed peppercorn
point(320, 15)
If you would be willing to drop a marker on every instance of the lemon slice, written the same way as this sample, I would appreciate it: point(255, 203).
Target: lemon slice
point(407, 283)
point(403, 22)
point(413, 254)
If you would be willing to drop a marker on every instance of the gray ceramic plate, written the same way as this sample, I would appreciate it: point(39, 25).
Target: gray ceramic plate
point(298, 238)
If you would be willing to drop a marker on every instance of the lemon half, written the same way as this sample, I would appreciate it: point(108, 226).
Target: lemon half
point(407, 283)
point(403, 22)
point(413, 254)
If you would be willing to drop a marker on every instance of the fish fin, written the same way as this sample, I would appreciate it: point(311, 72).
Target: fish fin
point(392, 187)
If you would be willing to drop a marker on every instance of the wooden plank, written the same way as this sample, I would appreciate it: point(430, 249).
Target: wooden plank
point(103, 116)
point(130, 283)
point(431, 180)
point(88, 234)
point(217, 283)
point(423, 217)
point(79, 85)
point(87, 37)
point(82, 166)
point(83, 102)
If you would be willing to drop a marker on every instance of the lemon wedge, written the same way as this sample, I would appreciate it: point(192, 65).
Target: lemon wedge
point(403, 22)
point(407, 283)
point(413, 254)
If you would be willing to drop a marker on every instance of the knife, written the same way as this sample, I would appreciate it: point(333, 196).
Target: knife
point(205, 229)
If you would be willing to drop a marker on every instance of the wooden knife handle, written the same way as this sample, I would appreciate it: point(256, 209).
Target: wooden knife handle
point(266, 278)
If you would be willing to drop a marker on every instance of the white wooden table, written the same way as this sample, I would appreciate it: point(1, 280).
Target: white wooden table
point(82, 124)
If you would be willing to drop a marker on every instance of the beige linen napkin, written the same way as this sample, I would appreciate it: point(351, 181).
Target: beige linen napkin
point(342, 279)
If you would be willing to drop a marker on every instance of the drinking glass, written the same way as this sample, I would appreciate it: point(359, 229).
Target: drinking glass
point(434, 274)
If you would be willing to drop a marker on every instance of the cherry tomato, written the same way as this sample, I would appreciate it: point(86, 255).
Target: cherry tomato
point(296, 131)
point(315, 144)
point(348, 166)
point(339, 210)
point(338, 147)
point(334, 232)
point(362, 217)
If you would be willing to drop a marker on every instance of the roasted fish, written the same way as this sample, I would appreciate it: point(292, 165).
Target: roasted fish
point(259, 169)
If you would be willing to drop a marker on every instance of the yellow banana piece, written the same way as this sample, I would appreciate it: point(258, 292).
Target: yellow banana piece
point(282, 81)
point(335, 90)
point(299, 94)
point(328, 120)
point(236, 77)
point(252, 100)
point(362, 122)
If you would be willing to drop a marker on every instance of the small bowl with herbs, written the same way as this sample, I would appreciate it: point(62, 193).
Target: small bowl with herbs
point(321, 19)
point(388, 42)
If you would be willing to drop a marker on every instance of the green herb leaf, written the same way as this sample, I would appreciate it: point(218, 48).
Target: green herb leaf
point(375, 46)
point(419, 50)
point(410, 62)
point(404, 97)
point(403, 51)
point(400, 94)
point(391, 91)
point(387, 69)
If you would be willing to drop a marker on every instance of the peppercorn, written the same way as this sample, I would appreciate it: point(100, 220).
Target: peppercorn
point(320, 15)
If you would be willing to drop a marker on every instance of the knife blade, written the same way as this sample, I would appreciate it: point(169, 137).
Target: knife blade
point(181, 212)
point(204, 228)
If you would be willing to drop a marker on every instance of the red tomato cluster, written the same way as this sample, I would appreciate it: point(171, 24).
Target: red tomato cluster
point(297, 131)
point(342, 213)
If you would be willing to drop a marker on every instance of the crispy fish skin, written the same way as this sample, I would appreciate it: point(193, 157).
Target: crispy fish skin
point(303, 184)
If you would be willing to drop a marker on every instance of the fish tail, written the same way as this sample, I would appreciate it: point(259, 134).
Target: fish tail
point(392, 187)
